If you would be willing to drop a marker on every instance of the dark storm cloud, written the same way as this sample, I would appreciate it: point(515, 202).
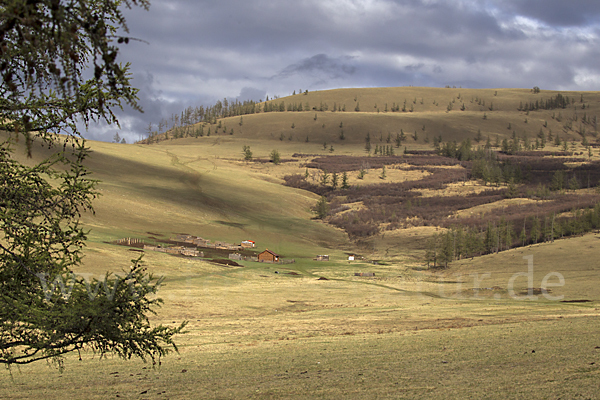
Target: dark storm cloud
point(201, 51)
point(320, 63)
point(414, 67)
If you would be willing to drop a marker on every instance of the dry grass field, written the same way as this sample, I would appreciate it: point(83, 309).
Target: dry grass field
point(481, 328)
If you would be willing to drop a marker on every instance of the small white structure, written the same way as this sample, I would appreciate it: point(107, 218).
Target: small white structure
point(351, 257)
point(248, 244)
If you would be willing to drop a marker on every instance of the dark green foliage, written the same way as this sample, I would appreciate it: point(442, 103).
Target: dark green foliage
point(398, 140)
point(334, 181)
point(345, 184)
point(535, 230)
point(460, 242)
point(322, 208)
point(361, 173)
point(463, 152)
point(247, 153)
point(558, 180)
point(324, 178)
point(558, 101)
point(455, 244)
point(573, 183)
point(45, 48)
point(479, 136)
point(275, 157)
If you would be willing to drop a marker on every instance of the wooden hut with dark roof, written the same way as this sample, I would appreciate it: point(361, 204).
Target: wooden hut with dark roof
point(268, 256)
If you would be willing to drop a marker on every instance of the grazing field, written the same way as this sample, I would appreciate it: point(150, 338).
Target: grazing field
point(404, 333)
point(515, 321)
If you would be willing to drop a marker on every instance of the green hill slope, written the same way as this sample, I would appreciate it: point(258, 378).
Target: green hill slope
point(185, 189)
point(173, 188)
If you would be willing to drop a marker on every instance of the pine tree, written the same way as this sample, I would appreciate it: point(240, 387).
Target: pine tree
point(535, 230)
point(573, 183)
point(247, 153)
point(361, 173)
point(479, 136)
point(473, 243)
point(508, 235)
point(322, 208)
point(558, 180)
point(431, 251)
point(334, 181)
point(490, 240)
point(324, 178)
point(275, 157)
point(459, 243)
point(523, 236)
point(345, 181)
point(446, 251)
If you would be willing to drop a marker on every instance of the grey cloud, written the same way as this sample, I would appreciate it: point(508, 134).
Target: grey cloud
point(322, 64)
point(554, 12)
point(414, 67)
point(201, 51)
point(250, 93)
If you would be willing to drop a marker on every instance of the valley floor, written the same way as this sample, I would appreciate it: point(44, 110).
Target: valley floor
point(270, 331)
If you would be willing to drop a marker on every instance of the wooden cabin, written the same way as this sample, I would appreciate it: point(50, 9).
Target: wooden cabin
point(268, 256)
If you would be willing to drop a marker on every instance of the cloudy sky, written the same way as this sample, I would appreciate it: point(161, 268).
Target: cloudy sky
point(196, 51)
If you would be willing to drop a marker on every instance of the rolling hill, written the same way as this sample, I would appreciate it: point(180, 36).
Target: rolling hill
point(382, 325)
point(453, 113)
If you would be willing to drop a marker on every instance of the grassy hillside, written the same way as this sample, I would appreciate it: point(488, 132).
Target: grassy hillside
point(192, 190)
point(426, 111)
point(320, 328)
